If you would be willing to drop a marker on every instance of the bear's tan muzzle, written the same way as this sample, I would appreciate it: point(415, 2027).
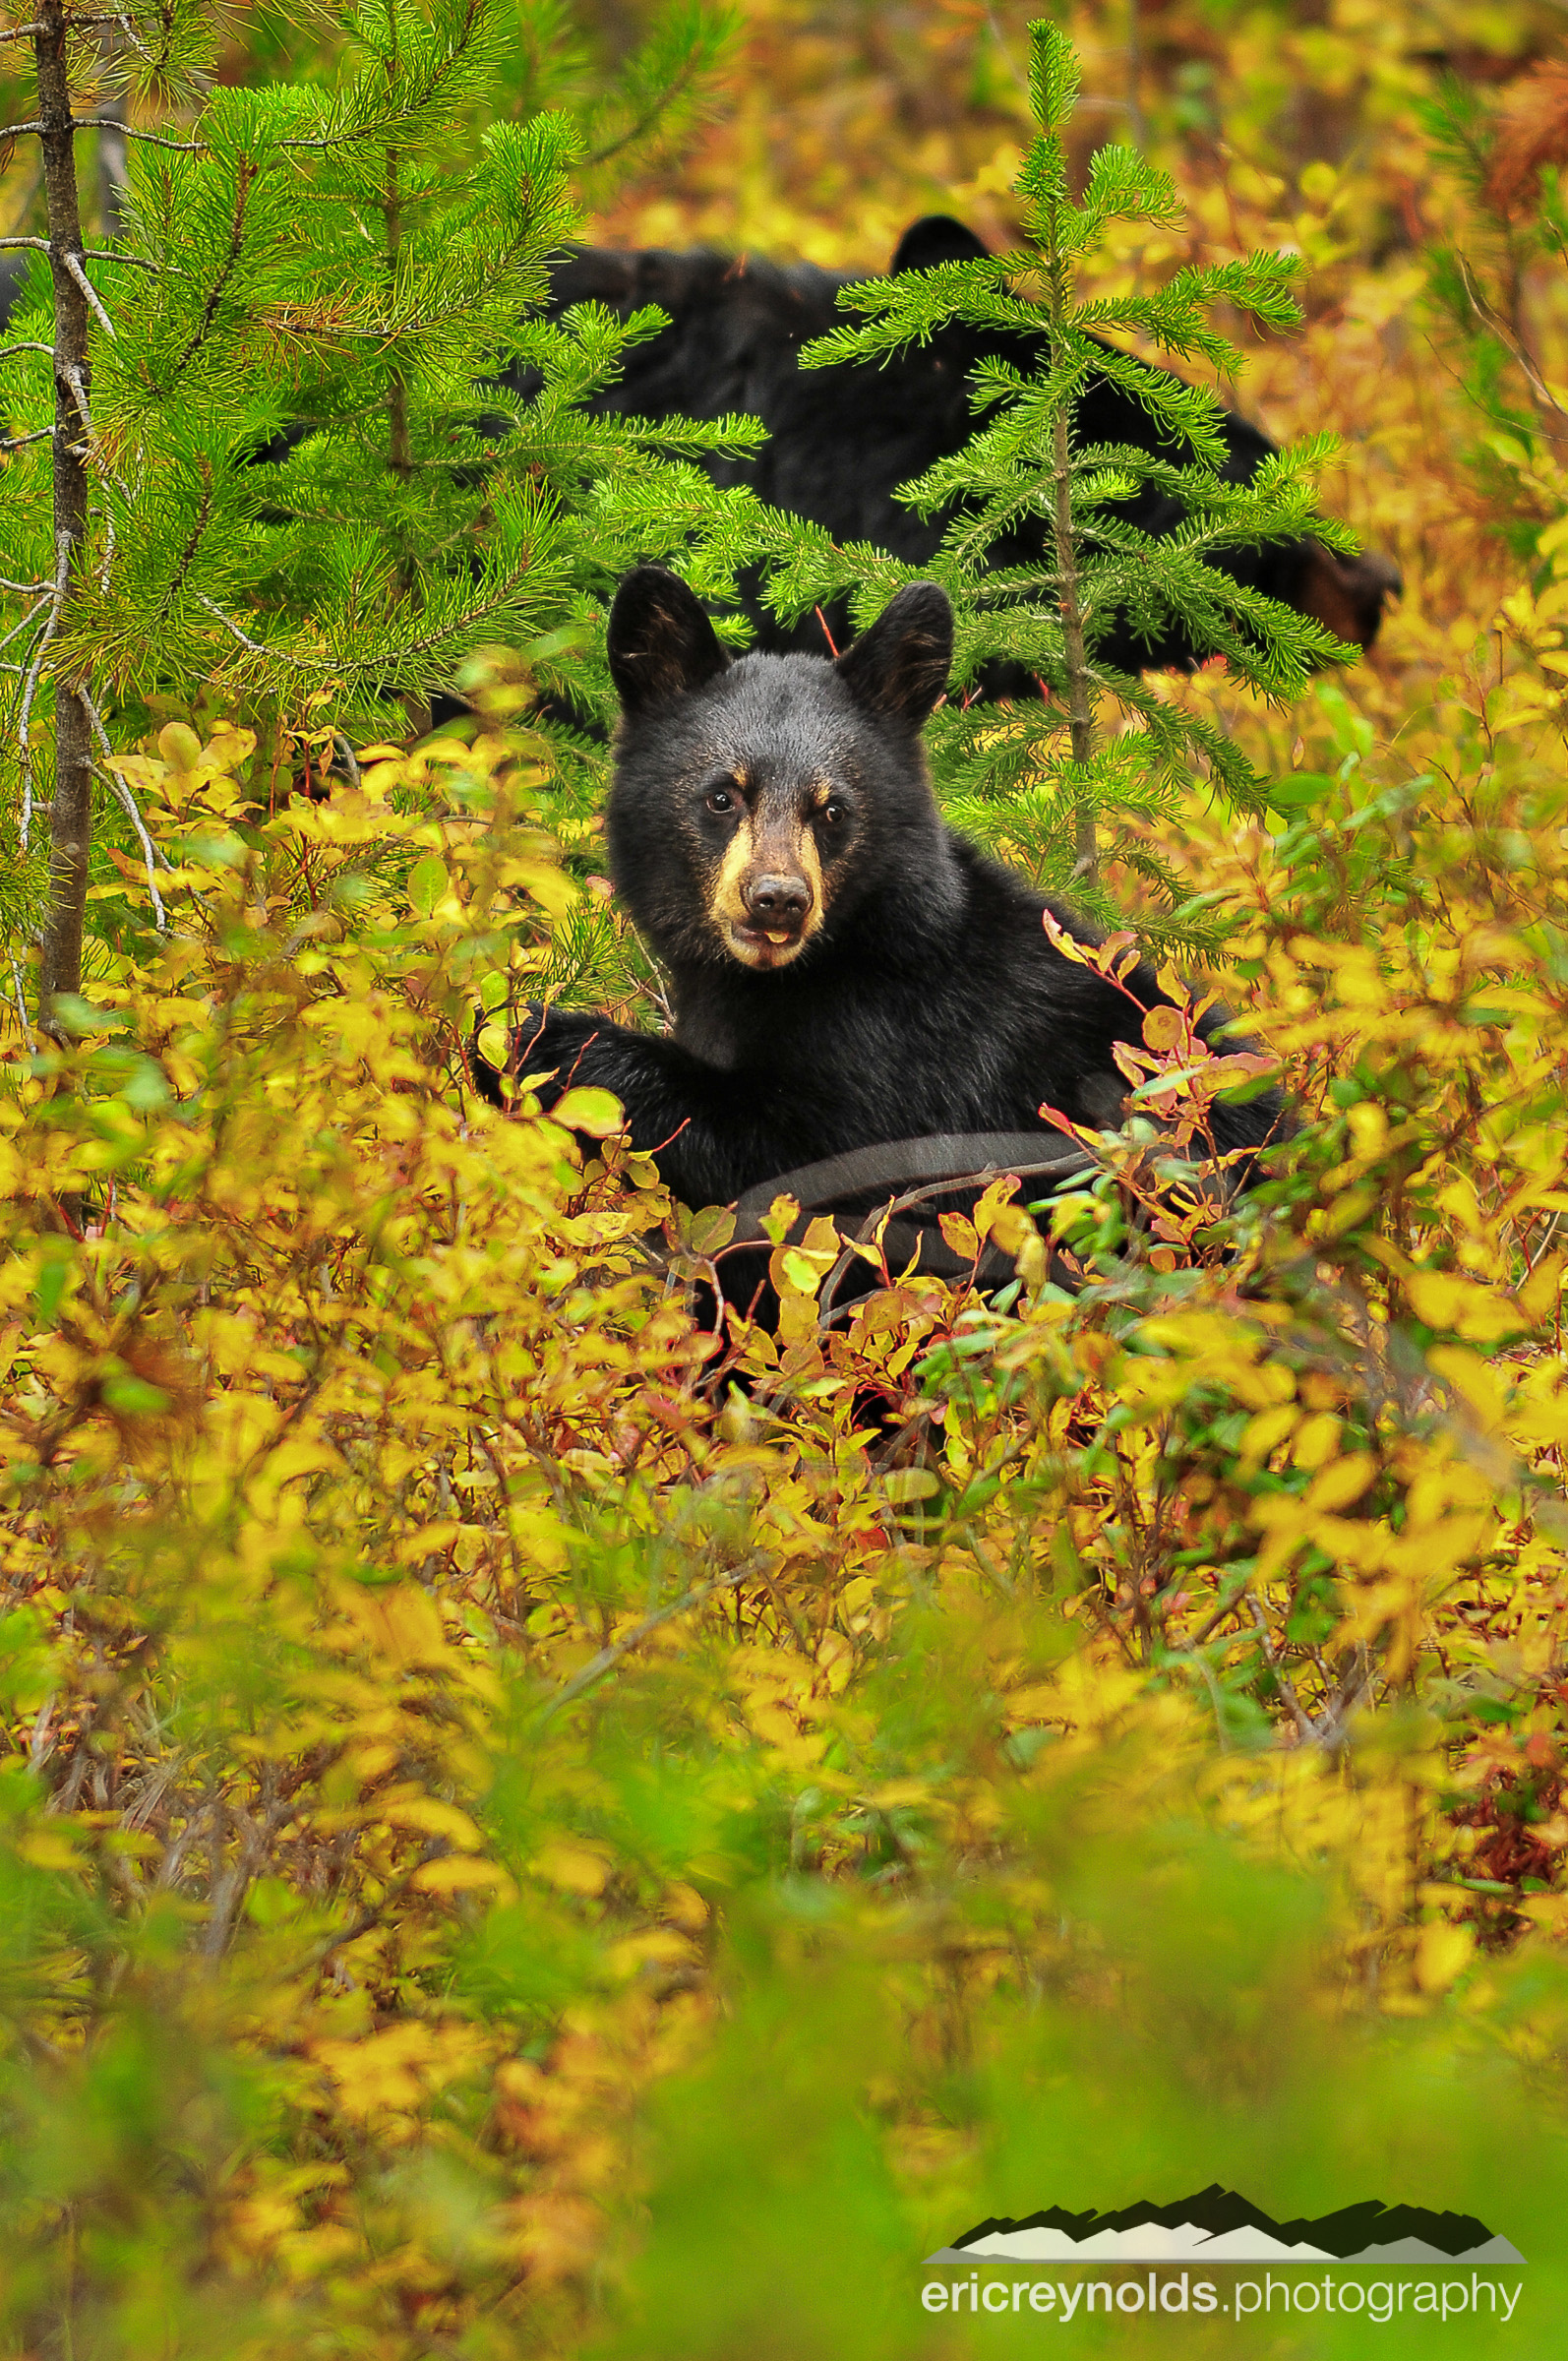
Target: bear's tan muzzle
point(767, 899)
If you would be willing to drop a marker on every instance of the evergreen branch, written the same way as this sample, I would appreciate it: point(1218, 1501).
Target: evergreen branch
point(384, 126)
point(30, 33)
point(1088, 578)
point(79, 395)
point(76, 385)
point(244, 175)
point(257, 648)
point(15, 131)
point(384, 661)
point(426, 644)
point(64, 545)
point(40, 434)
point(91, 254)
point(153, 139)
point(6, 351)
point(658, 104)
point(665, 77)
point(21, 998)
point(73, 266)
point(1541, 392)
point(186, 558)
point(1171, 326)
point(124, 23)
point(17, 629)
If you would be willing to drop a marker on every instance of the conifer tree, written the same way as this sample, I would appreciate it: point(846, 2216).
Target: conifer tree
point(335, 277)
point(1487, 280)
point(1002, 769)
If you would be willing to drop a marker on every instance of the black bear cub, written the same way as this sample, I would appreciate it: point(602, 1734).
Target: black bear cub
point(844, 969)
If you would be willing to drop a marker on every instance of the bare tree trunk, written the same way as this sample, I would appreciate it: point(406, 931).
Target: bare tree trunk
point(71, 814)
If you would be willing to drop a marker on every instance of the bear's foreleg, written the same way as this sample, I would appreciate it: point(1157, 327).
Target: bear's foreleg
point(700, 1124)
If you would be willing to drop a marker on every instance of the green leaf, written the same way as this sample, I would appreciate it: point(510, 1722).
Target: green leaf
point(1297, 790)
point(598, 1112)
point(712, 1228)
point(904, 1485)
point(426, 883)
point(132, 1398)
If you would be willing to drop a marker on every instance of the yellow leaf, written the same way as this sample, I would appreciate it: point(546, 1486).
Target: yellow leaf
point(1007, 1226)
point(994, 1201)
point(960, 1233)
point(1442, 1952)
point(431, 1817)
point(780, 1217)
point(495, 1047)
point(1163, 1029)
point(1317, 1440)
point(1442, 1300)
point(1472, 1377)
point(1537, 1297)
point(712, 1228)
point(654, 1947)
point(457, 1873)
point(179, 745)
point(574, 1868)
point(402, 1622)
point(47, 1849)
point(1340, 1483)
point(1267, 1429)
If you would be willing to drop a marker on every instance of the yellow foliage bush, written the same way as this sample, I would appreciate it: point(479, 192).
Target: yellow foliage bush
point(451, 1737)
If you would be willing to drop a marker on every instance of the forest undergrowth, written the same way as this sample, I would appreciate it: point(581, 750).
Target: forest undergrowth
point(521, 1838)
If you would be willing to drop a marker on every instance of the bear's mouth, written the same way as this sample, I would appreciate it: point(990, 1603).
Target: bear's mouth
point(764, 948)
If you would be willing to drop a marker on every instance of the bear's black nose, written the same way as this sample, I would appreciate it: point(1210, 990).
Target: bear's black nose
point(777, 903)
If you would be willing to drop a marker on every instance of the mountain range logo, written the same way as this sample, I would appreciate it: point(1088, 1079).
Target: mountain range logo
point(1218, 2226)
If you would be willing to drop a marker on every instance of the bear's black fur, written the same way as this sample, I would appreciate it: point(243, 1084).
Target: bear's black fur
point(841, 439)
point(844, 969)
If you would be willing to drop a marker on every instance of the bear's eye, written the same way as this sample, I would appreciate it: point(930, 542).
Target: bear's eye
point(721, 800)
point(835, 813)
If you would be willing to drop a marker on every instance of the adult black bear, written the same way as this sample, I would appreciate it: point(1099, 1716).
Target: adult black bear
point(841, 439)
point(844, 968)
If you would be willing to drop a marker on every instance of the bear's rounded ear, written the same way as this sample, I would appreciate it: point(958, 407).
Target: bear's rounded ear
point(935, 238)
point(661, 643)
point(900, 666)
